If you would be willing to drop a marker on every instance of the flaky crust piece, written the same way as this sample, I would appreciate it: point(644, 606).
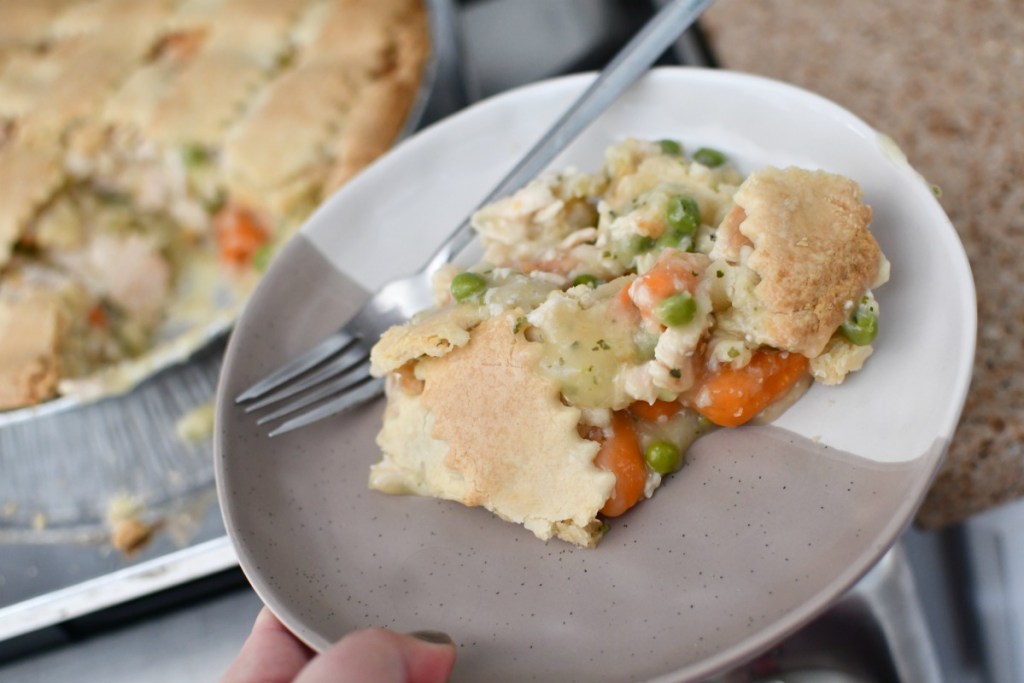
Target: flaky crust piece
point(509, 444)
point(812, 251)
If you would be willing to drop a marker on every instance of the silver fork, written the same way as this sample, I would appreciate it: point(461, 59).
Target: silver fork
point(335, 374)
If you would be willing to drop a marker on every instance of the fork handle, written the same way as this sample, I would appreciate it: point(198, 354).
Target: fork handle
point(629, 64)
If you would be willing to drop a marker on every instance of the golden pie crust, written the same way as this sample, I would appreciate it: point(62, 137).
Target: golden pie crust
point(488, 430)
point(151, 118)
point(809, 244)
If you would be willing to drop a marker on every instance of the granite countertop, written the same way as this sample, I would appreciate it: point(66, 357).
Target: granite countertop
point(944, 79)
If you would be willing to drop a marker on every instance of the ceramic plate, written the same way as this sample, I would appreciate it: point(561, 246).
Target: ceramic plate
point(761, 530)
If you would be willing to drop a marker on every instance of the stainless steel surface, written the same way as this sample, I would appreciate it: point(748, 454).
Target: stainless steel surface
point(62, 470)
point(344, 381)
point(49, 583)
point(179, 646)
point(993, 551)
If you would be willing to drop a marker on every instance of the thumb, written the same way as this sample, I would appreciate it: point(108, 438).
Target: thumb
point(381, 656)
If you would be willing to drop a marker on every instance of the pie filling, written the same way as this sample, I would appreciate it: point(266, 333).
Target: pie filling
point(615, 318)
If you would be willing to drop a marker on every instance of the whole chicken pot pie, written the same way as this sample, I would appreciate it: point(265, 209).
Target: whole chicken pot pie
point(615, 318)
point(153, 150)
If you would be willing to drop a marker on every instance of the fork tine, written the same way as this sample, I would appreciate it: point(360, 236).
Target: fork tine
point(349, 359)
point(325, 390)
point(350, 398)
point(316, 355)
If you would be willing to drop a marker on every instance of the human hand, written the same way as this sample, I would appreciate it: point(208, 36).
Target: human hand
point(272, 654)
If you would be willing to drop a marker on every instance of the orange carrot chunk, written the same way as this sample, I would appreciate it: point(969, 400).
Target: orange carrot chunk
point(178, 46)
point(729, 397)
point(652, 412)
point(97, 317)
point(239, 235)
point(620, 454)
point(672, 273)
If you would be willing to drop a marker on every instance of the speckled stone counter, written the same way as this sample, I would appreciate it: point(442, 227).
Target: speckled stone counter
point(945, 79)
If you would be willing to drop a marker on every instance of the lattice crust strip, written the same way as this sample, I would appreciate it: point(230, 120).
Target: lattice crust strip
point(248, 39)
point(23, 77)
point(280, 142)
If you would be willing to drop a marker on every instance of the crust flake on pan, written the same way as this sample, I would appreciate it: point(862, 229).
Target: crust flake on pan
point(522, 459)
point(433, 334)
point(812, 251)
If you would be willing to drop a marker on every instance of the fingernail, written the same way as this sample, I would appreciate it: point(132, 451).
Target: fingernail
point(435, 637)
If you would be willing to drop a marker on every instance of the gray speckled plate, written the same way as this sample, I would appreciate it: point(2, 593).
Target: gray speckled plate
point(760, 531)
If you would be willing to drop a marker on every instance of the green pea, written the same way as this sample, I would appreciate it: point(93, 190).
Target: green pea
point(466, 285)
point(215, 202)
point(113, 197)
point(193, 155)
point(671, 147)
point(261, 257)
point(861, 327)
point(638, 244)
point(711, 158)
point(670, 238)
point(673, 240)
point(678, 309)
point(663, 457)
point(585, 279)
point(682, 215)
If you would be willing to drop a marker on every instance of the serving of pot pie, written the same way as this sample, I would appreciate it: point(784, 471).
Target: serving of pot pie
point(616, 317)
point(153, 154)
